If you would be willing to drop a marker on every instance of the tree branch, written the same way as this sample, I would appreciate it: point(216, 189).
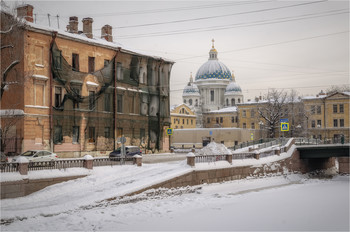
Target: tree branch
point(4, 32)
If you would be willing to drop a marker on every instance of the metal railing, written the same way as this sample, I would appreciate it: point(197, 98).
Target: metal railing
point(246, 155)
point(312, 141)
point(112, 161)
point(8, 167)
point(209, 158)
point(261, 143)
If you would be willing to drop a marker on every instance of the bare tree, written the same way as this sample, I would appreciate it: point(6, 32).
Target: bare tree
point(9, 56)
point(9, 119)
point(338, 88)
point(273, 109)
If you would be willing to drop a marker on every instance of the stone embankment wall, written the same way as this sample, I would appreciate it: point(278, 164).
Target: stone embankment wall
point(20, 188)
point(196, 177)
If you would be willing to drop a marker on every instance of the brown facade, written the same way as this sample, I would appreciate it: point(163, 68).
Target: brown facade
point(80, 95)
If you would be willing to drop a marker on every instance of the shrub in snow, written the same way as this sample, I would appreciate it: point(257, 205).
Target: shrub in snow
point(88, 157)
point(214, 149)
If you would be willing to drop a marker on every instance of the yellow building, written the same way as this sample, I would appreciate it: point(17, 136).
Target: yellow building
point(226, 117)
point(328, 115)
point(182, 117)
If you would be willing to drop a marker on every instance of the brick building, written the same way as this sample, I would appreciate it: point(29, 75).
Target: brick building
point(76, 93)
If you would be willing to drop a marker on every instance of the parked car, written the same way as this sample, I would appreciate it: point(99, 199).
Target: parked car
point(37, 156)
point(4, 158)
point(129, 150)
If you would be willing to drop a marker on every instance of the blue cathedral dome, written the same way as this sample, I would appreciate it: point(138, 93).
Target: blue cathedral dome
point(213, 68)
point(233, 88)
point(191, 89)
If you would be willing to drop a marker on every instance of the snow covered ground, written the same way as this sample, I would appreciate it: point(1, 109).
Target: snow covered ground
point(285, 202)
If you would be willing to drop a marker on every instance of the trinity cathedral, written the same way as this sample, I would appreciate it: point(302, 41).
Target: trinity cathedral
point(213, 90)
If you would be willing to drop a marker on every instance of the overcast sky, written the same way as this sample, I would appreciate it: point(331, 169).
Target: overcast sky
point(302, 45)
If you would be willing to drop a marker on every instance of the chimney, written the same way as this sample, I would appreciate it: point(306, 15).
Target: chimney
point(106, 33)
point(73, 25)
point(26, 12)
point(87, 27)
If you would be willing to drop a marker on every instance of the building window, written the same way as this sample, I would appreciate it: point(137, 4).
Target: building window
point(244, 125)
point(335, 108)
point(107, 132)
point(318, 109)
point(190, 102)
point(233, 102)
point(58, 96)
point(341, 108)
point(187, 121)
point(313, 109)
point(183, 121)
point(191, 121)
point(335, 123)
point(91, 64)
point(319, 123)
point(174, 120)
point(91, 134)
point(212, 95)
point(119, 103)
point(208, 120)
point(75, 62)
point(107, 102)
point(252, 113)
point(105, 63)
point(217, 120)
point(196, 104)
point(239, 100)
point(58, 60)
point(92, 100)
point(232, 119)
point(341, 122)
point(75, 134)
point(313, 124)
point(119, 71)
point(76, 92)
point(253, 125)
point(221, 119)
point(185, 101)
point(236, 119)
point(57, 137)
point(226, 102)
point(244, 113)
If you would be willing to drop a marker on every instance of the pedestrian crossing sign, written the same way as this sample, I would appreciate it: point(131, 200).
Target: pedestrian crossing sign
point(169, 131)
point(284, 126)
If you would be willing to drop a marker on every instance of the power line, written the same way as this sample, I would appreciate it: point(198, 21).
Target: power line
point(217, 16)
point(272, 44)
point(230, 26)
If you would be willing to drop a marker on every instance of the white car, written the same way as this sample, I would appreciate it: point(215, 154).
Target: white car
point(37, 156)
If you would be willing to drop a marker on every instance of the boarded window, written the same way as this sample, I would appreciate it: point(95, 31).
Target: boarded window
point(39, 55)
point(39, 94)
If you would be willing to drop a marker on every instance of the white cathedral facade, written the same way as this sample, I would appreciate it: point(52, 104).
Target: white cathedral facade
point(214, 88)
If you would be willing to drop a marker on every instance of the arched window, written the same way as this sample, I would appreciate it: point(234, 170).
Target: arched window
point(239, 100)
point(185, 101)
point(190, 102)
point(196, 102)
point(233, 102)
point(226, 102)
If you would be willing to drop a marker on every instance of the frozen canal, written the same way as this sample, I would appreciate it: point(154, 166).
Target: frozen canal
point(286, 202)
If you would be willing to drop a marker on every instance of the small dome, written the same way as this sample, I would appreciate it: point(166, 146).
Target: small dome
point(191, 90)
point(233, 88)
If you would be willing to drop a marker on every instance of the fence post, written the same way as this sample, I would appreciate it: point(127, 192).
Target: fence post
point(229, 158)
point(88, 162)
point(256, 155)
point(191, 159)
point(22, 165)
point(138, 160)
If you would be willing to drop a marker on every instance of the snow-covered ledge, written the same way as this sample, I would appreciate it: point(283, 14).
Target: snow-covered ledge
point(40, 77)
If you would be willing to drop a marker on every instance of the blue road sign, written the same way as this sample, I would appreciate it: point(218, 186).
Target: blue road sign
point(169, 131)
point(284, 126)
point(284, 120)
